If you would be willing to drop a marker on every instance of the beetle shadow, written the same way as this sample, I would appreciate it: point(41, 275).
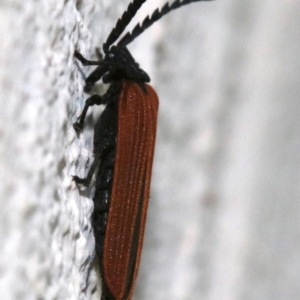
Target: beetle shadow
point(80, 69)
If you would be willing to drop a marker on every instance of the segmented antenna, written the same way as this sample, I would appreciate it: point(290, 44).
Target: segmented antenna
point(122, 23)
point(156, 15)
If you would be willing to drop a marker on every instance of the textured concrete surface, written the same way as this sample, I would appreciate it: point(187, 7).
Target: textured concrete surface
point(224, 211)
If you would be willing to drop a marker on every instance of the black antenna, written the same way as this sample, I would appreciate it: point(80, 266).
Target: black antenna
point(156, 15)
point(127, 16)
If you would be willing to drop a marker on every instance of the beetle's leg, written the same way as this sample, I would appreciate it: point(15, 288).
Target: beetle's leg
point(87, 180)
point(96, 74)
point(95, 99)
point(86, 62)
point(112, 91)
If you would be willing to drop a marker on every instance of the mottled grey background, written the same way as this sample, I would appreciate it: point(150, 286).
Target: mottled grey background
point(223, 220)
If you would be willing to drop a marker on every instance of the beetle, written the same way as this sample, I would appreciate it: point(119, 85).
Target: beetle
point(124, 140)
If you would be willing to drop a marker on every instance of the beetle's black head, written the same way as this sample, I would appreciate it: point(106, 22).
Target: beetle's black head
point(122, 66)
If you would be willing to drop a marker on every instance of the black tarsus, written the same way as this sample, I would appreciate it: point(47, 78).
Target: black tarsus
point(122, 23)
point(149, 20)
point(95, 99)
point(87, 180)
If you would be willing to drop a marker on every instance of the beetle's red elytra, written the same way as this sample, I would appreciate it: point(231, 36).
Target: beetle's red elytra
point(137, 118)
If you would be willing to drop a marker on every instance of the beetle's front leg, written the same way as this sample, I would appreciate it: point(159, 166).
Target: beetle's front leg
point(96, 75)
point(84, 61)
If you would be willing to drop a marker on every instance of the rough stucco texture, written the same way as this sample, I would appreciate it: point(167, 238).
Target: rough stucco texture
point(46, 237)
point(224, 210)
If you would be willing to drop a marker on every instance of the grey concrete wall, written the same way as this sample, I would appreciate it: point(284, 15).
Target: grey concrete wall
point(223, 217)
